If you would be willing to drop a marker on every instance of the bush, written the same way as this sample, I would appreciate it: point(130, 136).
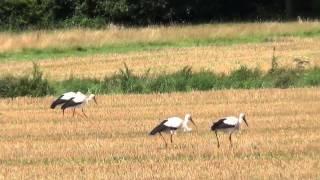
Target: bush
point(311, 78)
point(244, 78)
point(8, 86)
point(33, 85)
point(76, 84)
point(44, 14)
point(283, 78)
point(179, 81)
point(125, 81)
point(163, 84)
point(205, 80)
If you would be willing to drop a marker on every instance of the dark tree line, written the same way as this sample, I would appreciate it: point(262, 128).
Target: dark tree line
point(42, 14)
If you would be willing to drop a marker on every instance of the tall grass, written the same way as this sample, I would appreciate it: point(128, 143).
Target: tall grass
point(186, 80)
point(29, 85)
point(126, 81)
point(83, 42)
point(151, 34)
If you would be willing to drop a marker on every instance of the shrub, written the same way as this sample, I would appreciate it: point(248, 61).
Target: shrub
point(7, 86)
point(33, 85)
point(244, 78)
point(125, 81)
point(76, 84)
point(205, 80)
point(178, 81)
point(283, 78)
point(311, 78)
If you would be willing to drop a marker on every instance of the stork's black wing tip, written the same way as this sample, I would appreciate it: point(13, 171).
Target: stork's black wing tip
point(54, 104)
point(154, 131)
point(217, 124)
point(158, 128)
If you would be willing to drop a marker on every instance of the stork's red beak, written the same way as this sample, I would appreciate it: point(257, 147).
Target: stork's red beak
point(245, 121)
point(95, 100)
point(191, 120)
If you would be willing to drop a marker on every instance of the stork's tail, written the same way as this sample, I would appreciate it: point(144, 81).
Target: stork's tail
point(154, 131)
point(57, 102)
point(213, 128)
point(54, 104)
point(158, 128)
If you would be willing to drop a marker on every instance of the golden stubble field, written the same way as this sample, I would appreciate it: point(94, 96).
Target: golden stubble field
point(220, 59)
point(282, 142)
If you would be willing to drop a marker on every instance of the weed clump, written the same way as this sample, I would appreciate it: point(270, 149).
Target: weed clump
point(34, 85)
point(125, 81)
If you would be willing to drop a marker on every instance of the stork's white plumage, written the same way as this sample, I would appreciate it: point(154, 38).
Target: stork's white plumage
point(228, 125)
point(78, 101)
point(172, 124)
point(63, 99)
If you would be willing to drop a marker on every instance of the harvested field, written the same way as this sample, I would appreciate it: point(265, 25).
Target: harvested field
point(220, 59)
point(282, 142)
point(119, 35)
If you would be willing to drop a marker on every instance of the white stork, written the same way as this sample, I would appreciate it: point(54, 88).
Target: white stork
point(63, 99)
point(78, 101)
point(171, 124)
point(228, 125)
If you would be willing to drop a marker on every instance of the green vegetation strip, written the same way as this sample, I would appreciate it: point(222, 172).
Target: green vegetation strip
point(55, 53)
point(184, 80)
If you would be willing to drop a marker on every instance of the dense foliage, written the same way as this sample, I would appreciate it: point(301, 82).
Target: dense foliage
point(125, 81)
point(26, 14)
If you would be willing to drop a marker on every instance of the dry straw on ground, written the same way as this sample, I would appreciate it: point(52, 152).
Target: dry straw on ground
point(282, 142)
point(114, 35)
point(213, 58)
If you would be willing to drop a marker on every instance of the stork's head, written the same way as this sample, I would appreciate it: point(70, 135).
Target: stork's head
point(188, 117)
point(92, 96)
point(243, 117)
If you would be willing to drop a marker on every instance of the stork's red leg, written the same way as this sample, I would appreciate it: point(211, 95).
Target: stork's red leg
point(84, 113)
point(230, 139)
point(163, 139)
point(217, 139)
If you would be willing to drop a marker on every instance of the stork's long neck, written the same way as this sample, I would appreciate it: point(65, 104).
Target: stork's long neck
point(185, 126)
point(185, 121)
point(88, 99)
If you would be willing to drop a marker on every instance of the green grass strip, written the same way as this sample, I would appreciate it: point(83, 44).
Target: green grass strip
point(56, 53)
point(185, 80)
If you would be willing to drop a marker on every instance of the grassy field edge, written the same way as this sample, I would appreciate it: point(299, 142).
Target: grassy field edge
point(185, 80)
point(81, 51)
